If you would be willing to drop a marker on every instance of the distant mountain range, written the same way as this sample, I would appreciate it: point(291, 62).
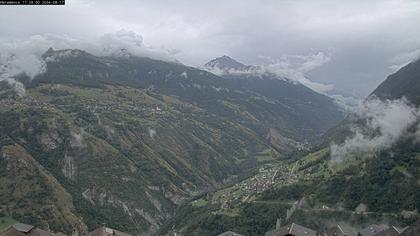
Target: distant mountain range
point(125, 140)
point(378, 185)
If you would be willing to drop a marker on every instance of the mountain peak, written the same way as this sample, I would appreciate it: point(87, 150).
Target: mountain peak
point(225, 63)
point(52, 54)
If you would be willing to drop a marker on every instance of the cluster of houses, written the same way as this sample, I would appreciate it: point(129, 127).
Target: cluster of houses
point(26, 101)
point(261, 182)
point(294, 229)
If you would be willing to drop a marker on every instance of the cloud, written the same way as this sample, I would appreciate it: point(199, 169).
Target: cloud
point(298, 67)
point(365, 34)
point(348, 102)
point(25, 56)
point(287, 67)
point(295, 67)
point(20, 57)
point(314, 61)
point(403, 59)
point(15, 85)
point(132, 42)
point(378, 125)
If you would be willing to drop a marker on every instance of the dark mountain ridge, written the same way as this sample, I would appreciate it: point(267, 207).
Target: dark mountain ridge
point(129, 138)
point(296, 111)
point(363, 187)
point(403, 83)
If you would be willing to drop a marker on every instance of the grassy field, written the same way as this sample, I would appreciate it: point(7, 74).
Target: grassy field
point(6, 222)
point(265, 155)
point(199, 203)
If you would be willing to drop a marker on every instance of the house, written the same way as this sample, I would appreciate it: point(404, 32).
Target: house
point(20, 229)
point(229, 233)
point(391, 231)
point(59, 234)
point(340, 230)
point(291, 230)
point(412, 230)
point(373, 230)
point(105, 231)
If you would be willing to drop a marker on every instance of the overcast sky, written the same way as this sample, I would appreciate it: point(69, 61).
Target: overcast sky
point(350, 45)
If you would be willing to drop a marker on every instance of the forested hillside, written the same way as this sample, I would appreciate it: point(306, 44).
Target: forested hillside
point(129, 139)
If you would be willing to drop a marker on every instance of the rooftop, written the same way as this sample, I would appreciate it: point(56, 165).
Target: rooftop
point(293, 229)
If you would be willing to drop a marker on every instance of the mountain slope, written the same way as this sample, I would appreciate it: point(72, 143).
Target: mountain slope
point(378, 185)
point(404, 83)
point(316, 111)
point(254, 109)
point(130, 138)
point(30, 193)
point(106, 147)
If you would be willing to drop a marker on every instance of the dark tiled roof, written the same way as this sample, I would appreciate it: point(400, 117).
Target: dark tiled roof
point(23, 227)
point(41, 232)
point(373, 230)
point(293, 229)
point(12, 232)
point(20, 229)
point(59, 234)
point(412, 230)
point(229, 233)
point(104, 231)
point(340, 230)
point(389, 232)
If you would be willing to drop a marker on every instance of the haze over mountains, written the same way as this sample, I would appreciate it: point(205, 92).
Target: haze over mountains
point(138, 137)
point(145, 145)
point(141, 138)
point(365, 170)
point(182, 118)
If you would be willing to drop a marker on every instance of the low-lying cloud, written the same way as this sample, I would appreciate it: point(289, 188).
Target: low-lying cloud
point(287, 67)
point(295, 67)
point(25, 56)
point(17, 58)
point(403, 59)
point(379, 125)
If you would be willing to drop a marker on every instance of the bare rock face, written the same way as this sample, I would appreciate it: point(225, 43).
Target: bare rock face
point(77, 139)
point(175, 198)
point(49, 141)
point(361, 208)
point(37, 188)
point(69, 167)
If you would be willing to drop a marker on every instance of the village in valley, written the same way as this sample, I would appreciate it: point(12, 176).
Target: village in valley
point(272, 175)
point(244, 191)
